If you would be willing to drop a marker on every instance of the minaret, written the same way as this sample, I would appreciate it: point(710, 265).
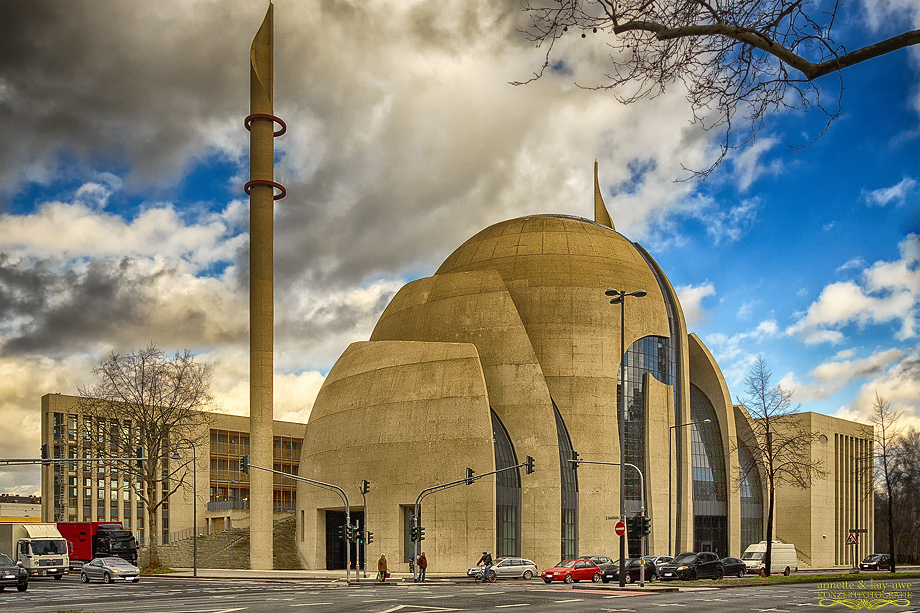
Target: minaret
point(601, 215)
point(261, 190)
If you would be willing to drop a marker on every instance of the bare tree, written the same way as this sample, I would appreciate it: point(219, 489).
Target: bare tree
point(887, 438)
point(740, 60)
point(906, 483)
point(780, 442)
point(148, 401)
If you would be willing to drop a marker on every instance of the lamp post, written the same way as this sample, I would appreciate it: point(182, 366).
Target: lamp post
point(176, 456)
point(618, 296)
point(670, 463)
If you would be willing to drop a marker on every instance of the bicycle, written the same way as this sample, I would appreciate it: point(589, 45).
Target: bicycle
point(480, 578)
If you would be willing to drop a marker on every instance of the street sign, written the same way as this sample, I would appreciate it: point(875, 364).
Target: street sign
point(620, 528)
point(852, 540)
point(858, 531)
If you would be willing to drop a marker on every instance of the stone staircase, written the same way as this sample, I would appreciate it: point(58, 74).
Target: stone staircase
point(230, 549)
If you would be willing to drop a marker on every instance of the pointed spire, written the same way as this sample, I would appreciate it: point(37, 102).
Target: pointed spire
point(261, 66)
point(601, 215)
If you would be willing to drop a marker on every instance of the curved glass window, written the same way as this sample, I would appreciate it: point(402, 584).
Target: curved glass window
point(751, 498)
point(507, 493)
point(710, 494)
point(569, 489)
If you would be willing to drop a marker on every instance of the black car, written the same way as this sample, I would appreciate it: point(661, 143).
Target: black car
point(633, 570)
point(603, 562)
point(733, 566)
point(11, 574)
point(689, 566)
point(876, 561)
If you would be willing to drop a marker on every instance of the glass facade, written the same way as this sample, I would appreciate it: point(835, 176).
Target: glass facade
point(751, 499)
point(507, 493)
point(228, 483)
point(569, 506)
point(710, 495)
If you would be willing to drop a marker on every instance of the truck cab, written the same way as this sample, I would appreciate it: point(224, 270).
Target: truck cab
point(39, 548)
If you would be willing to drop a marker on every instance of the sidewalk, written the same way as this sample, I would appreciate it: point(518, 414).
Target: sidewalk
point(314, 575)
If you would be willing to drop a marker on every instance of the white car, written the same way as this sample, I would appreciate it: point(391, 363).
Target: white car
point(108, 570)
point(509, 567)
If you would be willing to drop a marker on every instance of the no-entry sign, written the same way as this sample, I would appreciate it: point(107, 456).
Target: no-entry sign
point(620, 528)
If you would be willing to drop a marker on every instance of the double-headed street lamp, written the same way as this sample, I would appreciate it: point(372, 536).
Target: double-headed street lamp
point(176, 456)
point(618, 296)
point(670, 463)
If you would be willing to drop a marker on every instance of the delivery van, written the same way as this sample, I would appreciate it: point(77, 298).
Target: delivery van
point(783, 558)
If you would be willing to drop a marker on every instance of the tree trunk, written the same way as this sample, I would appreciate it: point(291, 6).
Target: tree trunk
point(153, 557)
point(767, 559)
point(891, 551)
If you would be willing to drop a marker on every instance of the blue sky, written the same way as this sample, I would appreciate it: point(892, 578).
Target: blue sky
point(122, 219)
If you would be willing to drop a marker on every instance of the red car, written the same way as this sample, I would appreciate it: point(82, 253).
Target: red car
point(573, 571)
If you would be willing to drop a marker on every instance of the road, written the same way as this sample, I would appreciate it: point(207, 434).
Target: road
point(165, 594)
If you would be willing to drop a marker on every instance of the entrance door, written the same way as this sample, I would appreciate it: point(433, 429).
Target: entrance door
point(335, 547)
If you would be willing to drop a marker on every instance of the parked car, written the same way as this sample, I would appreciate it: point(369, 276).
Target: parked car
point(108, 570)
point(603, 562)
point(659, 561)
point(633, 571)
point(689, 566)
point(876, 561)
point(509, 568)
point(733, 566)
point(572, 571)
point(12, 575)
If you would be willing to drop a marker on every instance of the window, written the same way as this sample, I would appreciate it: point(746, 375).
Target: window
point(569, 497)
point(507, 492)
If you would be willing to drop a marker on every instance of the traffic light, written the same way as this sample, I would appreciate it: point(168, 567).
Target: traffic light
point(343, 533)
point(421, 533)
point(140, 458)
point(469, 476)
point(633, 526)
point(46, 455)
point(529, 465)
point(365, 486)
point(574, 460)
point(244, 464)
point(413, 534)
point(370, 537)
point(646, 525)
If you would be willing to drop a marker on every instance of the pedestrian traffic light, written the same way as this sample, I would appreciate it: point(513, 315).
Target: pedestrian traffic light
point(140, 458)
point(469, 476)
point(413, 534)
point(529, 465)
point(574, 460)
point(421, 533)
point(365, 486)
point(646, 525)
point(370, 537)
point(244, 464)
point(46, 455)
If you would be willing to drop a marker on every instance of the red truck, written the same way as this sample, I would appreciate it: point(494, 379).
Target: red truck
point(88, 540)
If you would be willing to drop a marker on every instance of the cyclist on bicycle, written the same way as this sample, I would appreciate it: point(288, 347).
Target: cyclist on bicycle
point(487, 560)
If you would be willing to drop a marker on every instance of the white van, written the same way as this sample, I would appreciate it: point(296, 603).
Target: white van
point(783, 558)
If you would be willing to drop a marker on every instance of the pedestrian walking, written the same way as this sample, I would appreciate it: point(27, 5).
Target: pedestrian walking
point(382, 569)
point(422, 566)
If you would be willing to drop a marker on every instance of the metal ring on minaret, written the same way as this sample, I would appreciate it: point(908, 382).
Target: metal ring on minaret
point(250, 184)
point(266, 117)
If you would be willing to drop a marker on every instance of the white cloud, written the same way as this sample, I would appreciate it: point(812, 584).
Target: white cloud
point(691, 301)
point(898, 382)
point(748, 165)
point(897, 193)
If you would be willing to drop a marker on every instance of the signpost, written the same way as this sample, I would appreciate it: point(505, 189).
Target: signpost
point(852, 540)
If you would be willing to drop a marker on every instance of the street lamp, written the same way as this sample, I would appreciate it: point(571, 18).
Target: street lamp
point(176, 456)
point(620, 297)
point(670, 463)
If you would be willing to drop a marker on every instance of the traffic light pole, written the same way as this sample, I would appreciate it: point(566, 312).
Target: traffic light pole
point(330, 487)
point(576, 462)
point(365, 486)
point(470, 478)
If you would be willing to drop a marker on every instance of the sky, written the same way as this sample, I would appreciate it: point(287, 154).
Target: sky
point(123, 221)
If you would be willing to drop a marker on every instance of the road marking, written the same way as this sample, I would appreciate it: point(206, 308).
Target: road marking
point(506, 606)
point(310, 604)
point(570, 600)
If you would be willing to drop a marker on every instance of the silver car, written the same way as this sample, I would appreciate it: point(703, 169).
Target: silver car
point(108, 570)
point(509, 568)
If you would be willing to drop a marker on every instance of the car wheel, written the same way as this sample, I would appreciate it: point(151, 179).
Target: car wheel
point(786, 572)
point(569, 579)
point(136, 580)
point(741, 574)
point(84, 578)
point(690, 575)
point(22, 586)
point(1, 589)
point(605, 579)
point(107, 578)
point(528, 574)
point(718, 575)
point(59, 576)
point(629, 578)
point(547, 581)
point(596, 578)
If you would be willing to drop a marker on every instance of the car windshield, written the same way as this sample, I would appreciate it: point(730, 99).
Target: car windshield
point(44, 548)
point(753, 555)
point(5, 560)
point(872, 558)
point(117, 562)
point(566, 564)
point(125, 545)
point(685, 558)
